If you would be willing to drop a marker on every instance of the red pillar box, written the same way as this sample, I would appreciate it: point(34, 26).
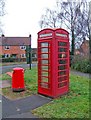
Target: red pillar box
point(53, 62)
point(18, 79)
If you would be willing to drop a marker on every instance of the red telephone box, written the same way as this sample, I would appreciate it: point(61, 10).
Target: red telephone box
point(53, 62)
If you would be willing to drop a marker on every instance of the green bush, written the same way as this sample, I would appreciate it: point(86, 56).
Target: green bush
point(81, 64)
point(10, 59)
point(7, 60)
point(0, 56)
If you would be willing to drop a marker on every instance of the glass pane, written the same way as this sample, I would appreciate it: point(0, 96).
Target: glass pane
point(62, 79)
point(44, 73)
point(45, 44)
point(44, 55)
point(62, 84)
point(63, 67)
point(62, 61)
point(44, 50)
point(62, 44)
point(62, 55)
point(62, 50)
point(44, 67)
point(44, 61)
point(44, 79)
point(44, 85)
point(61, 73)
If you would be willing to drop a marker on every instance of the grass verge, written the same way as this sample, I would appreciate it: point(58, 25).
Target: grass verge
point(30, 78)
point(5, 77)
point(73, 105)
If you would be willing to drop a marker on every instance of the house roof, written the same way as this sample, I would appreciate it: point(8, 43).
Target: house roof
point(82, 49)
point(14, 41)
point(85, 41)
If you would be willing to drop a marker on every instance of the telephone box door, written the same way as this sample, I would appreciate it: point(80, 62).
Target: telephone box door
point(44, 67)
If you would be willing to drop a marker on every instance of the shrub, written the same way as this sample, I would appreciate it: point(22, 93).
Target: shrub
point(7, 60)
point(81, 63)
point(10, 59)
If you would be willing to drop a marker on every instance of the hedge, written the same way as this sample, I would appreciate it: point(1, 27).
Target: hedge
point(81, 63)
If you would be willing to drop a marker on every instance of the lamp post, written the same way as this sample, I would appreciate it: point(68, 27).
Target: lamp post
point(90, 38)
point(30, 60)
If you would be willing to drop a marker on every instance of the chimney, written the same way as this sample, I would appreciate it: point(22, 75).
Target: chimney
point(3, 35)
point(2, 38)
point(30, 36)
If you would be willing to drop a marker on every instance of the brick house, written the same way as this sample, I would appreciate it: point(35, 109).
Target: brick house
point(14, 47)
point(77, 52)
point(34, 54)
point(84, 49)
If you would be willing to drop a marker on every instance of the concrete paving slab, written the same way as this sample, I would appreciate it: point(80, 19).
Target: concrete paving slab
point(0, 107)
point(80, 73)
point(8, 108)
point(0, 83)
point(5, 83)
point(22, 106)
point(31, 102)
point(23, 115)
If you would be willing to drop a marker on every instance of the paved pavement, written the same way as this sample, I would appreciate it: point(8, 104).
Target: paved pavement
point(80, 73)
point(4, 69)
point(22, 108)
point(5, 83)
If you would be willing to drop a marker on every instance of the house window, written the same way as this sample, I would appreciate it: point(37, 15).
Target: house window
point(6, 55)
point(34, 55)
point(7, 47)
point(23, 55)
point(23, 47)
point(14, 55)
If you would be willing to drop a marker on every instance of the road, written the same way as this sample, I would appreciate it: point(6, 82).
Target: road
point(80, 73)
point(4, 69)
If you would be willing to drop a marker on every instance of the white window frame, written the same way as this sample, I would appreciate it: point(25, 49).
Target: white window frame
point(23, 55)
point(7, 47)
point(23, 47)
point(6, 55)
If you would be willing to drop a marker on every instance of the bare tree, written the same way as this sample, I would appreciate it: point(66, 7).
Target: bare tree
point(90, 34)
point(75, 17)
point(70, 15)
point(49, 19)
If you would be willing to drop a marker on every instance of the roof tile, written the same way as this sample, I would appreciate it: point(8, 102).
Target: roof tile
point(11, 41)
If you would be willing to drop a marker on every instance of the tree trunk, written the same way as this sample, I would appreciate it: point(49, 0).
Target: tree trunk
point(73, 43)
point(90, 47)
point(90, 54)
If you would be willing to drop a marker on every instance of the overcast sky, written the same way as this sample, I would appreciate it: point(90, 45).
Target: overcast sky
point(22, 17)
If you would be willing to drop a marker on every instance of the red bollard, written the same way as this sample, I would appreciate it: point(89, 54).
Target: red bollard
point(18, 79)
